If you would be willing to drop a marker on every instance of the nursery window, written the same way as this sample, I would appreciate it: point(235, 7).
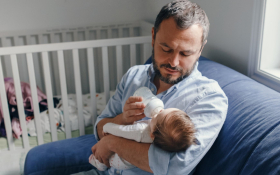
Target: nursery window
point(264, 63)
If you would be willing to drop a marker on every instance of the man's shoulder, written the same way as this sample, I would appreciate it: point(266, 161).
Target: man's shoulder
point(209, 84)
point(138, 69)
point(137, 72)
point(200, 86)
point(199, 82)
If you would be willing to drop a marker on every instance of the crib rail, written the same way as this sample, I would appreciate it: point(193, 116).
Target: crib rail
point(70, 34)
point(58, 50)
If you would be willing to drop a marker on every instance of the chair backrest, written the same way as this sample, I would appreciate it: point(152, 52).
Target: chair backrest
point(249, 140)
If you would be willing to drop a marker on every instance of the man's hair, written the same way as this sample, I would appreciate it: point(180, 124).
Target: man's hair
point(174, 132)
point(185, 14)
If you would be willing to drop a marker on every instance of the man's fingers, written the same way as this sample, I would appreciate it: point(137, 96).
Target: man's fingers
point(134, 118)
point(133, 99)
point(134, 112)
point(130, 106)
point(99, 159)
point(138, 117)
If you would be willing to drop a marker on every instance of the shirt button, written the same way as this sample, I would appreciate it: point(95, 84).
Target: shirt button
point(118, 172)
point(152, 89)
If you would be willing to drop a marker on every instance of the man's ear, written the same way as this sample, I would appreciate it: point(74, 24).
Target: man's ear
point(153, 36)
point(203, 46)
point(204, 43)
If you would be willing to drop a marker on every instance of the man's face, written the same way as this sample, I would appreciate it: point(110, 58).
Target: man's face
point(175, 51)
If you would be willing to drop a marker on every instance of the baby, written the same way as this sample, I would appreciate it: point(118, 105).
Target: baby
point(171, 130)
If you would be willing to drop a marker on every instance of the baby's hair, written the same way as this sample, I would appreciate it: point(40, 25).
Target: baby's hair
point(174, 132)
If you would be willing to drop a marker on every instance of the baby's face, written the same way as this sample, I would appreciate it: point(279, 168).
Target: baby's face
point(160, 115)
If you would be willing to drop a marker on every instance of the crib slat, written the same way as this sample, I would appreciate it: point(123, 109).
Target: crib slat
point(109, 33)
point(119, 62)
point(52, 38)
point(40, 39)
point(131, 34)
point(33, 88)
point(21, 60)
point(106, 73)
point(64, 37)
point(63, 85)
point(132, 54)
point(5, 110)
point(28, 40)
point(120, 30)
point(38, 64)
point(91, 73)
point(16, 43)
point(19, 101)
point(76, 63)
point(98, 34)
point(75, 33)
point(87, 35)
point(7, 63)
point(48, 84)
point(54, 67)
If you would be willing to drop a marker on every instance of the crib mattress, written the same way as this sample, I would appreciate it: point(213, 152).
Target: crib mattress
point(47, 138)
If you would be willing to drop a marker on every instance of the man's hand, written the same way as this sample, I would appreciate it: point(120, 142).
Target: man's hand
point(132, 111)
point(130, 150)
point(101, 150)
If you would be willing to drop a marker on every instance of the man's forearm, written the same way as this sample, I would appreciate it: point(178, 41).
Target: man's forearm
point(133, 152)
point(102, 122)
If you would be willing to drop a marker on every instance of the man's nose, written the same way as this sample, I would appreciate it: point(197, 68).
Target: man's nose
point(174, 60)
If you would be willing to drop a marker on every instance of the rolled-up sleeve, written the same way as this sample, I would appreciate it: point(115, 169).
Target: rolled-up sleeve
point(158, 160)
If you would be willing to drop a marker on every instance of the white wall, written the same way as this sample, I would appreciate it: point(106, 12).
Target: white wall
point(41, 14)
point(230, 29)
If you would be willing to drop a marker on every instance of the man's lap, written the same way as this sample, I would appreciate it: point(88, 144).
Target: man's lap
point(61, 157)
point(92, 172)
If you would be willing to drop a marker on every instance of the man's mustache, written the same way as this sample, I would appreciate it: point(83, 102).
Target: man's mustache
point(170, 67)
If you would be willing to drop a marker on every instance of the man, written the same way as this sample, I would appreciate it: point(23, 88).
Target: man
point(178, 37)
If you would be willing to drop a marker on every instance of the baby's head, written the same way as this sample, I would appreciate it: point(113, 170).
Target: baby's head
point(172, 130)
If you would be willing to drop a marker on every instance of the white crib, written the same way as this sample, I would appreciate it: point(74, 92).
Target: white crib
point(43, 58)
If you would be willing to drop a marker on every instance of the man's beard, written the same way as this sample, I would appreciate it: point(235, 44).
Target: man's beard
point(168, 79)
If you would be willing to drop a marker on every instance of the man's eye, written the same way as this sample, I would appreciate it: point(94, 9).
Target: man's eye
point(166, 50)
point(184, 55)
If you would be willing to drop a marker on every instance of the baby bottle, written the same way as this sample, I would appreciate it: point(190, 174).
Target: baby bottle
point(153, 104)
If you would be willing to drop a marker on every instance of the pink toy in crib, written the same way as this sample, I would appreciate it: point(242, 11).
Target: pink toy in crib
point(17, 131)
point(27, 101)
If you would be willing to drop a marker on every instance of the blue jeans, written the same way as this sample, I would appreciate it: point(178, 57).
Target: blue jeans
point(92, 172)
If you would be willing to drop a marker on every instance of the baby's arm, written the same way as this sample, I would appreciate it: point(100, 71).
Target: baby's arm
point(139, 131)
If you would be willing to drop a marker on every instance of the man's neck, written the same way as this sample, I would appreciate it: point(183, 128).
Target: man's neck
point(161, 86)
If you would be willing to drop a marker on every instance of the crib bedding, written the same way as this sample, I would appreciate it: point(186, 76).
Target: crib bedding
point(72, 108)
point(47, 138)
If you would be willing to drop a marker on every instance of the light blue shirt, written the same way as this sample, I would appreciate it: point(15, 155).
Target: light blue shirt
point(201, 98)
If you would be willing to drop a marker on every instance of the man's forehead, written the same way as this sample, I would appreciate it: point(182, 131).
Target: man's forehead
point(170, 36)
point(187, 50)
point(168, 27)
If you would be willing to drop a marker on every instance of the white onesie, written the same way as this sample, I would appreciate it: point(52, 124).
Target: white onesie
point(139, 131)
